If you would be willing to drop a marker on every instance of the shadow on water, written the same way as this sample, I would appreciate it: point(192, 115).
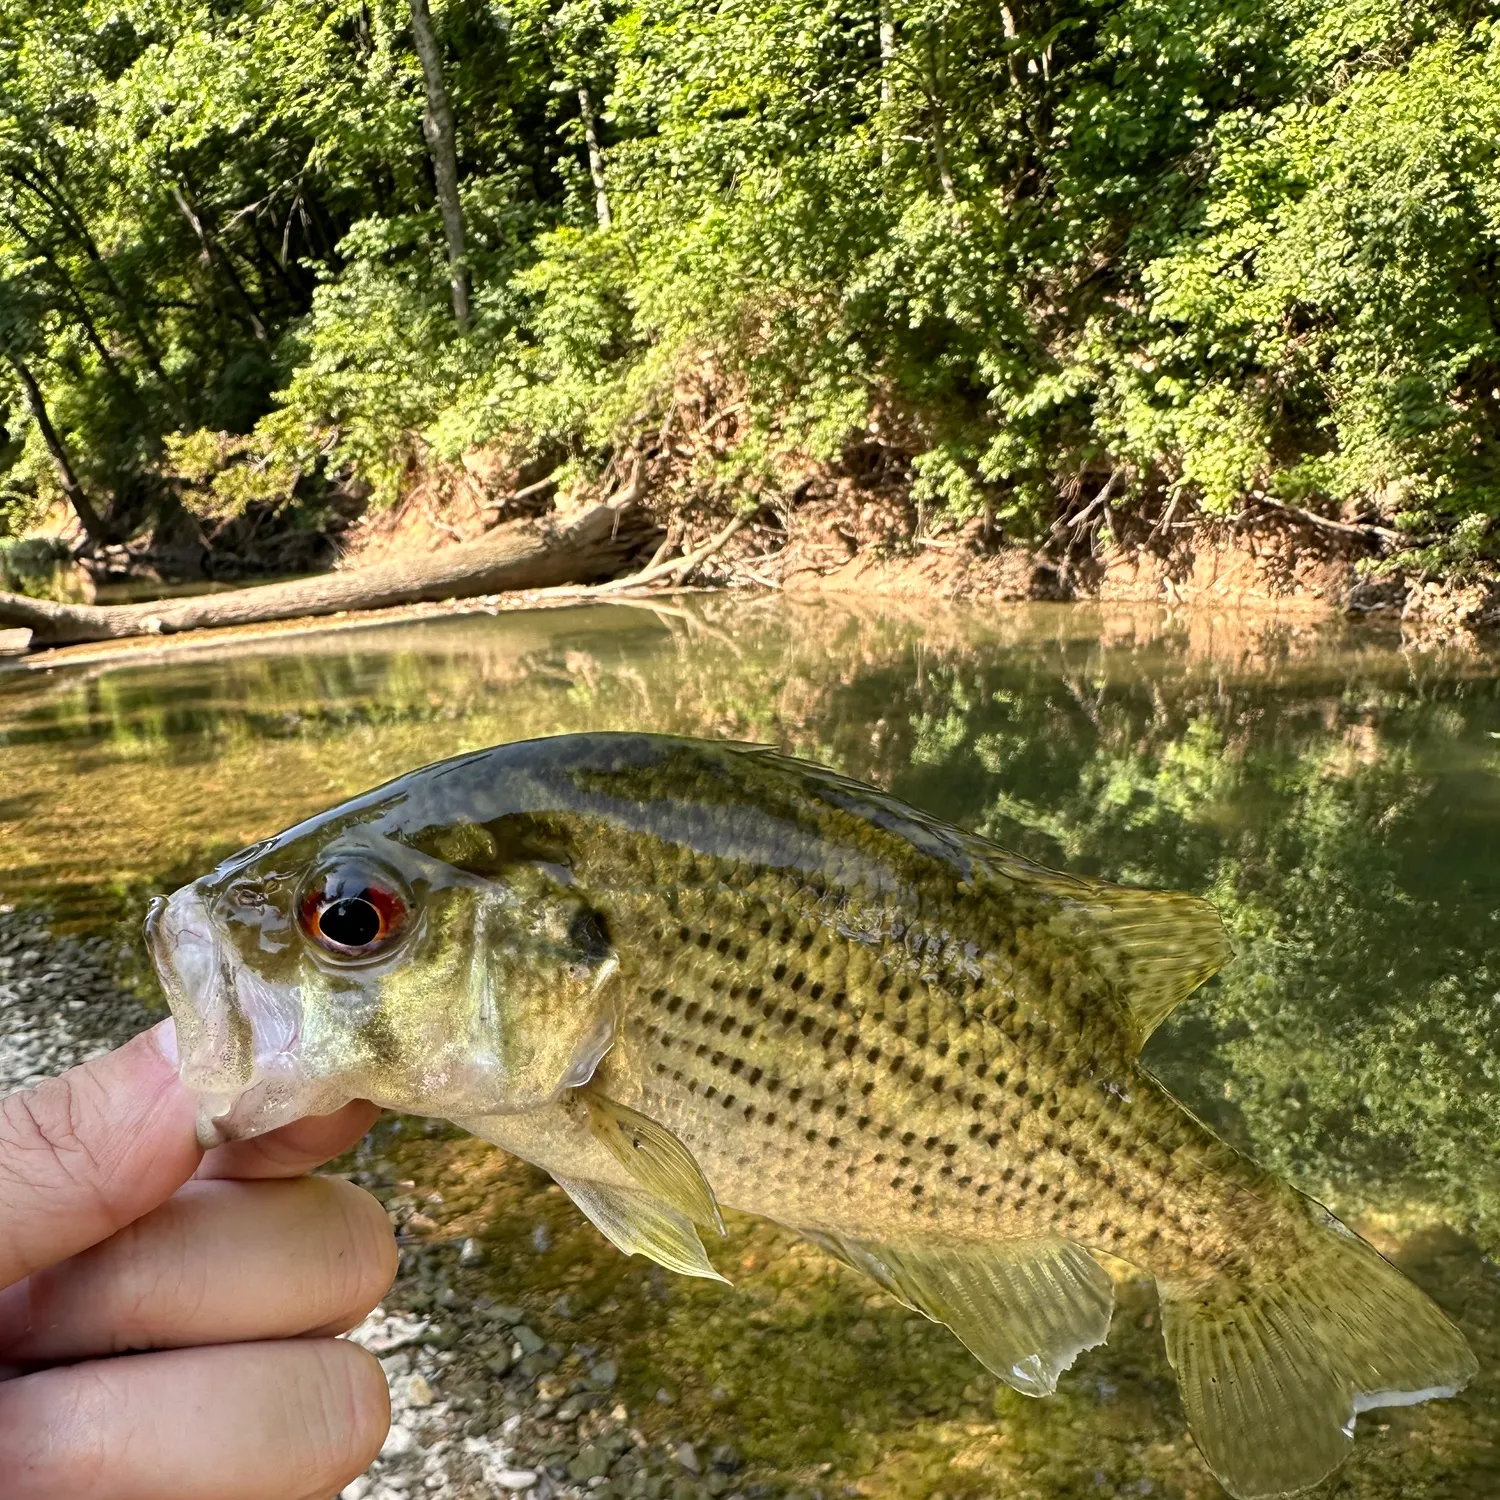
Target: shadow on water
point(1337, 794)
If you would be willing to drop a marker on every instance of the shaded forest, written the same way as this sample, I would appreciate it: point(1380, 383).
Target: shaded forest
point(272, 259)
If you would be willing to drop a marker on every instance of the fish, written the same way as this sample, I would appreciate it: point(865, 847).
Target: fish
point(683, 975)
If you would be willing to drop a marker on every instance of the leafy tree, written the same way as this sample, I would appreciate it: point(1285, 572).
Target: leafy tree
point(1209, 248)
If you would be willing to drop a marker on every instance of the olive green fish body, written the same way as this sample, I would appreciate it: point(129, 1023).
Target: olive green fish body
point(832, 1064)
point(678, 974)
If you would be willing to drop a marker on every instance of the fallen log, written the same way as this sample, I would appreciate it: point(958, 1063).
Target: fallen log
point(537, 552)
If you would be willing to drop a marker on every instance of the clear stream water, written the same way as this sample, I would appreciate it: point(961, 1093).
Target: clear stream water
point(1336, 792)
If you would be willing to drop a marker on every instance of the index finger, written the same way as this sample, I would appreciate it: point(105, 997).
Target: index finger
point(83, 1155)
point(293, 1149)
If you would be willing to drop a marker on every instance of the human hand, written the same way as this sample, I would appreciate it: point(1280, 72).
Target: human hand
point(117, 1234)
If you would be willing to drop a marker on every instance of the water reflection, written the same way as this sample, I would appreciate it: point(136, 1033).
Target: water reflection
point(1337, 795)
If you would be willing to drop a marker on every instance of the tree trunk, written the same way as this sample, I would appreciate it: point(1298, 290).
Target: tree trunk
point(887, 80)
point(71, 292)
point(887, 52)
point(73, 220)
point(437, 130)
point(220, 262)
point(534, 553)
point(1008, 20)
point(596, 156)
point(939, 127)
point(83, 507)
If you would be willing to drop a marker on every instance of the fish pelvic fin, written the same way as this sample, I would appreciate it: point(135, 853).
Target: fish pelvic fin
point(1157, 946)
point(639, 1224)
point(1024, 1308)
point(652, 1155)
point(1274, 1373)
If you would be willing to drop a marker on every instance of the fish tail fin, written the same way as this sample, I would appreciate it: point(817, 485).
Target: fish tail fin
point(1273, 1371)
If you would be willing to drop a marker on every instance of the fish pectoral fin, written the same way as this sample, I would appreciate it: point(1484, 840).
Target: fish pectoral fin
point(654, 1157)
point(1024, 1308)
point(639, 1224)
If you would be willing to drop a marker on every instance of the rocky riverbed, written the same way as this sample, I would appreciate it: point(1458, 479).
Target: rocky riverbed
point(489, 1398)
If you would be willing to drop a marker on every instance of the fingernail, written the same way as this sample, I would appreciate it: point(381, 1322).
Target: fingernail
point(164, 1034)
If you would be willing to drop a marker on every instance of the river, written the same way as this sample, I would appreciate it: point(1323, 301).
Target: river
point(1334, 790)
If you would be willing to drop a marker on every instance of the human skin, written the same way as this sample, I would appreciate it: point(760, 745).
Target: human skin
point(222, 1276)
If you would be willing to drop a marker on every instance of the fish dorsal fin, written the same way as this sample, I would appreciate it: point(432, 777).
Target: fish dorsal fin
point(1158, 947)
point(1024, 1308)
point(640, 1224)
point(1155, 947)
point(652, 1155)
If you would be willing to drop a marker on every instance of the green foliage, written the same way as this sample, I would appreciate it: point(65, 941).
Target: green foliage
point(40, 567)
point(1222, 246)
point(223, 473)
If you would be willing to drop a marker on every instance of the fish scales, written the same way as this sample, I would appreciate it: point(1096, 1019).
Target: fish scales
point(677, 974)
point(958, 1078)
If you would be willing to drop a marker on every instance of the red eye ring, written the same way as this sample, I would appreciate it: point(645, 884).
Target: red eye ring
point(351, 915)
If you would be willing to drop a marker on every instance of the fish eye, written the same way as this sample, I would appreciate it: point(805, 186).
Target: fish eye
point(354, 911)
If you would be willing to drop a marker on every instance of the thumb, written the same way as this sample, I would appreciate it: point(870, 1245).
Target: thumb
point(83, 1155)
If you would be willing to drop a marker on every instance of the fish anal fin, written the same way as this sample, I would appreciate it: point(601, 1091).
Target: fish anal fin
point(1157, 946)
point(640, 1224)
point(1024, 1308)
point(1274, 1370)
point(652, 1155)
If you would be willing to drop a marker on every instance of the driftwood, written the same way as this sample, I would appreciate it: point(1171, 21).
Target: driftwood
point(538, 552)
point(1347, 528)
point(676, 568)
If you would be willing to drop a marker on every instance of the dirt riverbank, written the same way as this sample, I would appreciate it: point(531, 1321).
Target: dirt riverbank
point(850, 527)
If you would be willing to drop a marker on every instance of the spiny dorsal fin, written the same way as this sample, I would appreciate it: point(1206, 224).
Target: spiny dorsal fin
point(654, 1157)
point(1024, 1308)
point(639, 1224)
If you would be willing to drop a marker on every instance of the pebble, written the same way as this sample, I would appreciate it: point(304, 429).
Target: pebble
point(398, 1440)
point(687, 1456)
point(515, 1480)
point(529, 1339)
point(592, 1463)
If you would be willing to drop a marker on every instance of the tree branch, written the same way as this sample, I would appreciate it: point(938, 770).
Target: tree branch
point(83, 507)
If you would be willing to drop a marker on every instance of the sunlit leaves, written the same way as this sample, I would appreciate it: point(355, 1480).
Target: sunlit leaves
point(1218, 247)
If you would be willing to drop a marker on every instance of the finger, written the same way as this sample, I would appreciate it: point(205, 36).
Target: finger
point(217, 1263)
point(282, 1421)
point(295, 1148)
point(85, 1154)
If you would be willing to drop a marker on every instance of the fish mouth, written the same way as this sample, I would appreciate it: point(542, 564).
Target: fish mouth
point(238, 1036)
